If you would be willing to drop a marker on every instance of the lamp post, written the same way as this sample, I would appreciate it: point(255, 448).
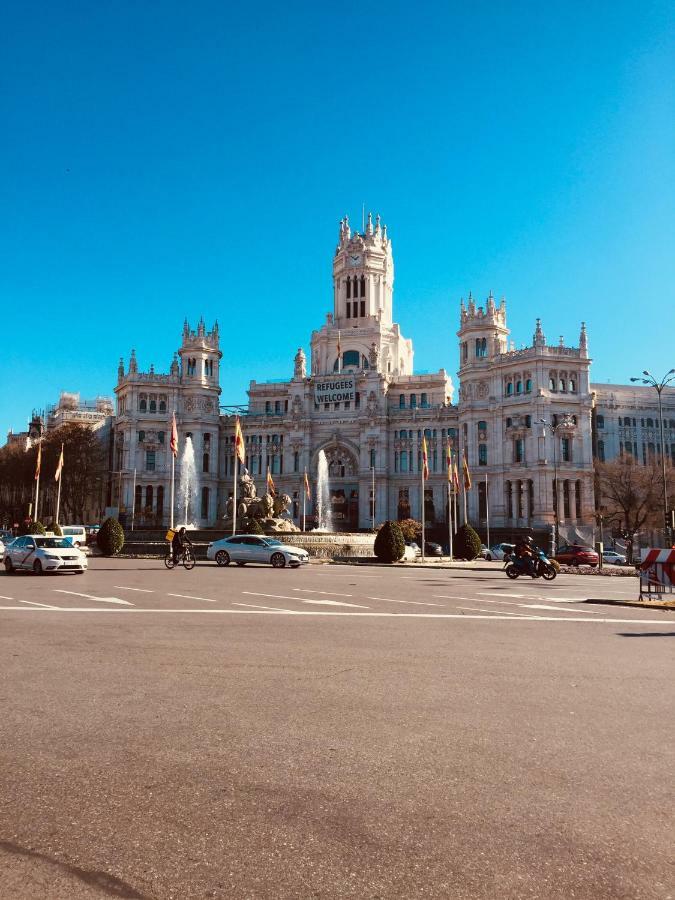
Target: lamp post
point(372, 502)
point(564, 422)
point(658, 386)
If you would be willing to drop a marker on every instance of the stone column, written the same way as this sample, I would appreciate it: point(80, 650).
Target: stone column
point(573, 505)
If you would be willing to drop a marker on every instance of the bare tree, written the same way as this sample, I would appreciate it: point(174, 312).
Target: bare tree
point(630, 494)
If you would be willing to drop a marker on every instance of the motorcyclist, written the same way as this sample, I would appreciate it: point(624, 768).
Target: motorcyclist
point(179, 542)
point(525, 552)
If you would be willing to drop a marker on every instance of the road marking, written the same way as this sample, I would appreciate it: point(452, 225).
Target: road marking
point(121, 587)
point(190, 597)
point(34, 603)
point(97, 599)
point(499, 594)
point(5, 598)
point(414, 602)
point(335, 603)
point(505, 613)
point(252, 606)
point(589, 612)
point(272, 596)
point(307, 591)
point(500, 602)
point(503, 617)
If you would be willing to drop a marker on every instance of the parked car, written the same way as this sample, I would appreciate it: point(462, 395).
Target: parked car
point(2, 549)
point(499, 551)
point(249, 548)
point(432, 549)
point(92, 530)
point(613, 558)
point(76, 533)
point(44, 554)
point(577, 555)
point(416, 549)
point(6, 535)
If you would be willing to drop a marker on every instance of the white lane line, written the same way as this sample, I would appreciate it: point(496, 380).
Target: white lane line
point(505, 613)
point(5, 598)
point(97, 599)
point(499, 594)
point(500, 602)
point(190, 597)
point(253, 606)
point(503, 617)
point(414, 602)
point(588, 612)
point(121, 587)
point(271, 596)
point(331, 593)
point(34, 603)
point(335, 603)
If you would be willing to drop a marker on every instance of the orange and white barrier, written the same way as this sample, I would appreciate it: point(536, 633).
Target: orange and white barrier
point(657, 573)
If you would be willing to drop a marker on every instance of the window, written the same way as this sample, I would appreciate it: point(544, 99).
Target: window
point(150, 460)
point(205, 503)
point(373, 455)
point(363, 308)
point(143, 405)
point(355, 308)
point(572, 386)
point(191, 366)
point(153, 406)
point(528, 386)
point(566, 499)
point(357, 400)
point(528, 421)
point(349, 291)
point(404, 460)
point(363, 288)
point(277, 407)
point(401, 401)
point(509, 500)
point(650, 423)
point(160, 500)
point(423, 401)
point(509, 422)
point(519, 387)
point(208, 368)
point(482, 426)
point(577, 502)
point(482, 454)
point(551, 384)
point(148, 497)
point(509, 389)
point(162, 405)
point(268, 407)
point(205, 462)
point(396, 461)
point(465, 351)
point(138, 498)
point(561, 384)
point(160, 436)
point(600, 421)
point(413, 401)
point(348, 307)
point(566, 449)
point(519, 450)
point(141, 437)
point(296, 461)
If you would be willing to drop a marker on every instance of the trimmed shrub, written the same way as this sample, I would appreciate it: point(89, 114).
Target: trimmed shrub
point(466, 543)
point(389, 543)
point(33, 528)
point(110, 538)
point(56, 528)
point(411, 529)
point(254, 527)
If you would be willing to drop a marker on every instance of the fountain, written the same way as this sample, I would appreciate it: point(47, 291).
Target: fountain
point(187, 490)
point(323, 509)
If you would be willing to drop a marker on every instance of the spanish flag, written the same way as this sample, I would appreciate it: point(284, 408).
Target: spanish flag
point(467, 474)
point(173, 443)
point(271, 489)
point(425, 459)
point(239, 448)
point(448, 457)
point(38, 464)
point(455, 474)
point(308, 492)
point(59, 468)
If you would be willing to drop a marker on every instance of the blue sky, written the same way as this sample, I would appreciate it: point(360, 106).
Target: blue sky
point(170, 159)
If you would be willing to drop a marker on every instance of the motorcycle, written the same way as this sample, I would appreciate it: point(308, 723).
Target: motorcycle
point(542, 567)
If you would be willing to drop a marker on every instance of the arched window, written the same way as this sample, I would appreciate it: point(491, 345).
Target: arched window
point(423, 401)
point(482, 454)
point(205, 462)
point(148, 497)
point(160, 500)
point(572, 386)
point(363, 286)
point(401, 401)
point(650, 423)
point(349, 292)
point(528, 386)
point(561, 384)
point(143, 405)
point(551, 383)
point(528, 421)
point(600, 421)
point(138, 498)
point(482, 426)
point(519, 387)
point(351, 358)
point(404, 460)
point(413, 401)
point(162, 405)
point(509, 423)
point(483, 347)
point(205, 503)
point(153, 406)
point(477, 347)
point(509, 389)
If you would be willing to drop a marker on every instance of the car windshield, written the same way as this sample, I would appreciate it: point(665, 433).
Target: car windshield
point(54, 543)
point(272, 542)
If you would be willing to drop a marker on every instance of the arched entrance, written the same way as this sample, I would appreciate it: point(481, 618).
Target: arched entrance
point(343, 487)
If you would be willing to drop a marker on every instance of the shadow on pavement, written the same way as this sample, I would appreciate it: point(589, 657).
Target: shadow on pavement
point(646, 633)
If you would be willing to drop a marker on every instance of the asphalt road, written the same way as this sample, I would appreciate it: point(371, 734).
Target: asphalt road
point(332, 732)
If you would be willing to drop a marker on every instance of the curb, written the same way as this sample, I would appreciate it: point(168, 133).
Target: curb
point(636, 604)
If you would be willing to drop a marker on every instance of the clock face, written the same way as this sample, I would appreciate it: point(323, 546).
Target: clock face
point(354, 259)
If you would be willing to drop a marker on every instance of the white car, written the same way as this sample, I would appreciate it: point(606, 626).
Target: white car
point(613, 558)
point(44, 554)
point(2, 549)
point(499, 551)
point(252, 548)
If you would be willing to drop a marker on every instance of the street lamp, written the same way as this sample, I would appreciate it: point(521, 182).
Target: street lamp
point(658, 386)
point(564, 422)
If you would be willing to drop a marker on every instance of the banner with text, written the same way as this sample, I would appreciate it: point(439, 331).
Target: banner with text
point(334, 389)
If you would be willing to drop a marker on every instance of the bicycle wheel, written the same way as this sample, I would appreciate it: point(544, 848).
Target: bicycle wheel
point(168, 561)
point(188, 560)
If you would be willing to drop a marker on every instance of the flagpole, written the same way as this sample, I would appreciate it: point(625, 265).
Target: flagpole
point(450, 518)
point(58, 493)
point(422, 504)
point(174, 450)
point(304, 498)
point(234, 494)
point(133, 499)
point(487, 511)
point(37, 482)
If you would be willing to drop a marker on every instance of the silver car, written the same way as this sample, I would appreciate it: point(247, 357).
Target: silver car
point(251, 548)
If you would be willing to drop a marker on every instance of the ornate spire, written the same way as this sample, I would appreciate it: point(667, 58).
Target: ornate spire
point(300, 367)
point(583, 340)
point(133, 365)
point(539, 339)
point(120, 370)
point(369, 226)
point(173, 369)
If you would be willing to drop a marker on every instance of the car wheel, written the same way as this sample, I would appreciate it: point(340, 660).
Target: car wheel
point(80, 572)
point(489, 557)
point(575, 562)
point(37, 567)
point(223, 558)
point(241, 563)
point(278, 560)
point(9, 568)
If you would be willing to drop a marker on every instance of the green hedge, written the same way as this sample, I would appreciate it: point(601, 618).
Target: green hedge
point(389, 543)
point(33, 528)
point(466, 543)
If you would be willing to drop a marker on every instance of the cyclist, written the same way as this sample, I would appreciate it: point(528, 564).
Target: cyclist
point(178, 544)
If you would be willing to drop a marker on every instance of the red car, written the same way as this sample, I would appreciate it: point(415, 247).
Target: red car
point(577, 555)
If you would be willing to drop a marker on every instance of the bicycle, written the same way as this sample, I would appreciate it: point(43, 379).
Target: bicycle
point(186, 558)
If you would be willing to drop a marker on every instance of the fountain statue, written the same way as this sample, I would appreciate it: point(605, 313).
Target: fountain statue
point(270, 512)
point(188, 488)
point(323, 509)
